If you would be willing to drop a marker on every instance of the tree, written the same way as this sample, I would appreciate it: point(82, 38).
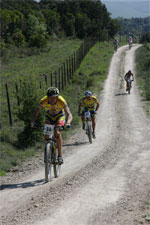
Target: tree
point(145, 38)
point(68, 22)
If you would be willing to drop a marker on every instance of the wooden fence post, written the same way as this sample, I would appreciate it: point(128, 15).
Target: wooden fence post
point(59, 82)
point(67, 71)
point(70, 71)
point(64, 74)
point(9, 108)
point(40, 84)
point(18, 100)
point(62, 78)
point(74, 57)
point(55, 78)
point(45, 76)
point(72, 65)
point(51, 79)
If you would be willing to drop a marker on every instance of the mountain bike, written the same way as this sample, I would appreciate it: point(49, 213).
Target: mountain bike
point(129, 86)
point(115, 47)
point(88, 125)
point(130, 45)
point(51, 153)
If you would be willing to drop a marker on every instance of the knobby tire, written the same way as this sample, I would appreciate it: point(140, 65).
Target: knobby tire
point(56, 166)
point(48, 163)
point(89, 128)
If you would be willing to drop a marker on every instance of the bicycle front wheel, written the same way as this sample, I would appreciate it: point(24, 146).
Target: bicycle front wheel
point(89, 128)
point(56, 165)
point(48, 164)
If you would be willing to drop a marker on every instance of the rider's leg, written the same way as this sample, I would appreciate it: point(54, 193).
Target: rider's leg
point(126, 85)
point(83, 121)
point(59, 142)
point(46, 136)
point(93, 127)
point(60, 123)
point(93, 124)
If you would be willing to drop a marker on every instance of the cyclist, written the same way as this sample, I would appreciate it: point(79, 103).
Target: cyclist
point(130, 41)
point(115, 42)
point(128, 78)
point(55, 106)
point(90, 103)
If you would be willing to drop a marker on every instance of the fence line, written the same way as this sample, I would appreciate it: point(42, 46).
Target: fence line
point(59, 78)
point(9, 107)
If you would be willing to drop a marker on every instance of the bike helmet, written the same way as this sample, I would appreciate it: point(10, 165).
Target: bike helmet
point(52, 91)
point(88, 93)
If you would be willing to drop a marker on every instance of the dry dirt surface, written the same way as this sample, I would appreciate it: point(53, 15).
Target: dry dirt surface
point(103, 183)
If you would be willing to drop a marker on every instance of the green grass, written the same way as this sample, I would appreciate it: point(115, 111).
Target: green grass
point(90, 75)
point(143, 74)
point(40, 63)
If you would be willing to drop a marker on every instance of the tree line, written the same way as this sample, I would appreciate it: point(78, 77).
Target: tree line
point(31, 23)
point(135, 26)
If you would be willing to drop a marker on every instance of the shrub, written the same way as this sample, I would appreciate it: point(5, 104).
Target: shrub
point(38, 41)
point(29, 97)
point(145, 38)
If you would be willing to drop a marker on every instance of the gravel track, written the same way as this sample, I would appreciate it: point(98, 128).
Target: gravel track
point(103, 183)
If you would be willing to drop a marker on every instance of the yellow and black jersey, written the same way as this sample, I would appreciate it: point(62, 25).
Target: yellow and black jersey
point(54, 110)
point(89, 103)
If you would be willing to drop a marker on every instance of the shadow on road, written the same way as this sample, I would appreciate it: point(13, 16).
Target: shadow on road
point(76, 143)
point(121, 94)
point(22, 185)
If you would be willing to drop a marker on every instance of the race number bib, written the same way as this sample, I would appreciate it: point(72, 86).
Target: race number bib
point(87, 115)
point(49, 130)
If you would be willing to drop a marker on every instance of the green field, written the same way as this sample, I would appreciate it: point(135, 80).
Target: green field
point(90, 75)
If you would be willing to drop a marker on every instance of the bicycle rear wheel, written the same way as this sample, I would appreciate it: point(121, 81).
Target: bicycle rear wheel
point(89, 128)
point(48, 164)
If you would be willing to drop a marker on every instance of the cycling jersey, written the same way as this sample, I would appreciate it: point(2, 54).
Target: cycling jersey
point(53, 112)
point(90, 103)
point(129, 76)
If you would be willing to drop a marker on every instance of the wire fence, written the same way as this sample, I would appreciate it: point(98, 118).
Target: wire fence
point(58, 78)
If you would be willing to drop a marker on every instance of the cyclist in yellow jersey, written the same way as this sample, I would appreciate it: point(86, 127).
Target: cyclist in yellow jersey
point(55, 107)
point(90, 103)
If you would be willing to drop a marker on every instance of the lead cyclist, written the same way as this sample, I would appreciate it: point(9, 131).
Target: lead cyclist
point(55, 107)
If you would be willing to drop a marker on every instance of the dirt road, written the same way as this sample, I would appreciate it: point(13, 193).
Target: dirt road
point(103, 183)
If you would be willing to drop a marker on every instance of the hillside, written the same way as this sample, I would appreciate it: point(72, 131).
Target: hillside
point(128, 9)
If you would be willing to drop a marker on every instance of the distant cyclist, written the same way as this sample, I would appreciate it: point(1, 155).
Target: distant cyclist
point(115, 43)
point(55, 107)
point(128, 78)
point(130, 41)
point(90, 103)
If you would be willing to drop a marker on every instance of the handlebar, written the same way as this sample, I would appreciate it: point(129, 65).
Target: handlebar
point(80, 114)
point(66, 126)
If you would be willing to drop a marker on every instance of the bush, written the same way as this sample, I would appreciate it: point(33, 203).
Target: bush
point(145, 38)
point(29, 98)
point(38, 41)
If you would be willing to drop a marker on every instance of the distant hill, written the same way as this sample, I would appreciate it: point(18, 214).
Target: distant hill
point(128, 9)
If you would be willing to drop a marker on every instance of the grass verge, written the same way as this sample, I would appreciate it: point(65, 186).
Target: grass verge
point(90, 75)
point(143, 74)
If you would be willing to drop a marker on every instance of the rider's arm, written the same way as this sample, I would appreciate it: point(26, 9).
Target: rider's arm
point(69, 119)
point(35, 115)
point(97, 106)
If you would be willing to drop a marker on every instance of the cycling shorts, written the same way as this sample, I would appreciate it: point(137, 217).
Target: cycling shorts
point(55, 120)
point(92, 112)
